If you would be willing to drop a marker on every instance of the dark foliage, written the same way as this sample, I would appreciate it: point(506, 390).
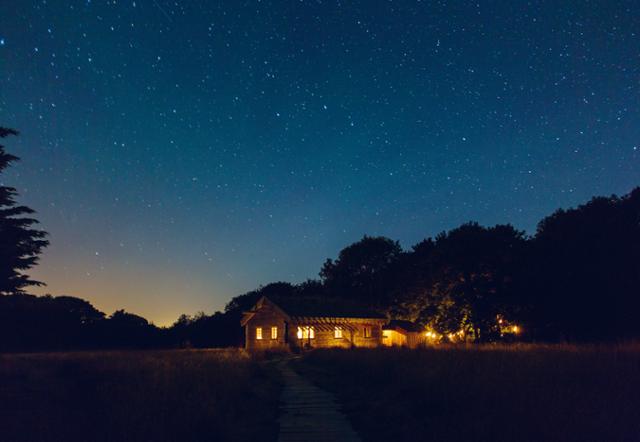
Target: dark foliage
point(38, 323)
point(584, 271)
point(20, 243)
point(363, 271)
point(463, 280)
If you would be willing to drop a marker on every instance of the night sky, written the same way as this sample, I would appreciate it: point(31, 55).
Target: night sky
point(183, 152)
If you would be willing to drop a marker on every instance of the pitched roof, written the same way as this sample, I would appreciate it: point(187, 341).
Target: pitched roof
point(323, 307)
point(407, 326)
point(308, 307)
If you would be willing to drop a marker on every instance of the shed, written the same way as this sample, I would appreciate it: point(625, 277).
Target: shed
point(403, 334)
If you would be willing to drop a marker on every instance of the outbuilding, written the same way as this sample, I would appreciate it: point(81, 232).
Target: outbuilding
point(401, 333)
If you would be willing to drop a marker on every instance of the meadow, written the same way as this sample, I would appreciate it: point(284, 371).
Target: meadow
point(221, 395)
point(497, 393)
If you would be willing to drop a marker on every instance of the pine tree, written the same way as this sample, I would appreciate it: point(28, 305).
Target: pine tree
point(20, 243)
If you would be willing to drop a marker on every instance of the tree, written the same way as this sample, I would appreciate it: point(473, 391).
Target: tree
point(30, 323)
point(585, 264)
point(363, 271)
point(464, 280)
point(20, 243)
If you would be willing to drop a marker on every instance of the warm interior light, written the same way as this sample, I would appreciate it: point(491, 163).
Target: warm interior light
point(258, 332)
point(431, 334)
point(306, 332)
point(337, 333)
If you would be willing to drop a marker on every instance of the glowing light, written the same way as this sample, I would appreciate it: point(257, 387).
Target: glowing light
point(306, 333)
point(432, 335)
point(337, 333)
point(274, 332)
point(258, 332)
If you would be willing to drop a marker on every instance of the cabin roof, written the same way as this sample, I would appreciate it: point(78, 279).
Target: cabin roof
point(407, 326)
point(301, 308)
point(326, 308)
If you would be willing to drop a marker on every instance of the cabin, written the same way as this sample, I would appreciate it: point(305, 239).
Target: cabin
point(398, 333)
point(297, 324)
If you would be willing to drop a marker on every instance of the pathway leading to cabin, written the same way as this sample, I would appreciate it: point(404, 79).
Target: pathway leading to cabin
point(310, 414)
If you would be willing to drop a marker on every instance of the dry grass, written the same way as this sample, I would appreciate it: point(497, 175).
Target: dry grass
point(504, 393)
point(221, 395)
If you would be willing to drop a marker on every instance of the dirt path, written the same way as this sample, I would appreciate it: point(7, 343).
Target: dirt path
point(308, 413)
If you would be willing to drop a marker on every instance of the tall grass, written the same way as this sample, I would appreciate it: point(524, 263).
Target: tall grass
point(482, 393)
point(220, 395)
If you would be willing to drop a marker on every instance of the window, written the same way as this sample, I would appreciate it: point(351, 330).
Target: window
point(258, 332)
point(274, 332)
point(306, 332)
point(337, 332)
point(367, 331)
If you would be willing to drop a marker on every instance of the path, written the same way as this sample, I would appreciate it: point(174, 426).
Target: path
point(310, 414)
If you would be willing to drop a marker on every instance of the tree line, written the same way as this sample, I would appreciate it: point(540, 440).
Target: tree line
point(577, 278)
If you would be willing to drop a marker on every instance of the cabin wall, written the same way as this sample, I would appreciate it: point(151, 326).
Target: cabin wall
point(376, 336)
point(325, 338)
point(416, 339)
point(393, 338)
point(265, 318)
point(322, 339)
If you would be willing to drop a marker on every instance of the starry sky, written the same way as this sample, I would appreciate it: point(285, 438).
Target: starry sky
point(184, 152)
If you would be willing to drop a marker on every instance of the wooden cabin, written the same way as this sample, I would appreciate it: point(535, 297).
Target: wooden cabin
point(292, 324)
point(398, 333)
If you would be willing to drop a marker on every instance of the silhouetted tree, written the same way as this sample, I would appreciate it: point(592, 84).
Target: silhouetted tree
point(20, 244)
point(363, 271)
point(201, 330)
point(123, 329)
point(311, 288)
point(29, 323)
point(585, 271)
point(464, 280)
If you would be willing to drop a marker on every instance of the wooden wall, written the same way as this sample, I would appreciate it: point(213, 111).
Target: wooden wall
point(403, 339)
point(325, 337)
point(266, 317)
point(393, 338)
point(416, 339)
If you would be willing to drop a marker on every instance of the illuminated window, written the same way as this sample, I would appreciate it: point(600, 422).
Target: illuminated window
point(274, 332)
point(337, 333)
point(367, 332)
point(258, 332)
point(306, 333)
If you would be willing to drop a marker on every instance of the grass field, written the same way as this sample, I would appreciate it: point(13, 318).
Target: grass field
point(523, 393)
point(218, 395)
